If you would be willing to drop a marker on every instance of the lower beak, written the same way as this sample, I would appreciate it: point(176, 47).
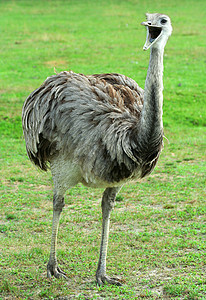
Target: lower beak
point(147, 42)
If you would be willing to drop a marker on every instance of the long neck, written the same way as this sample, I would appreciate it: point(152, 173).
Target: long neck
point(151, 117)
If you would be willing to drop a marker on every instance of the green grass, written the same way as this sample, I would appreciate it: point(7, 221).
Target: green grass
point(157, 237)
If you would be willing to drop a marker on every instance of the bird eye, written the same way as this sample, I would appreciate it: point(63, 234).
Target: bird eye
point(163, 21)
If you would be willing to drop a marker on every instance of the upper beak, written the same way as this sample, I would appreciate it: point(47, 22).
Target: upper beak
point(144, 23)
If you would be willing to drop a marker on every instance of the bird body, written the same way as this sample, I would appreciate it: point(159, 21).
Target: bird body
point(90, 121)
point(100, 130)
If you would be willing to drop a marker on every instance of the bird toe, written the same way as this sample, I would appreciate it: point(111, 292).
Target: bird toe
point(102, 279)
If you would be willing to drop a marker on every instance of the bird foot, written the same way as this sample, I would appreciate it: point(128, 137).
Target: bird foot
point(54, 270)
point(102, 279)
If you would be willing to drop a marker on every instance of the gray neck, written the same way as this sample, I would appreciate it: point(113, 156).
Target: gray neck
point(151, 117)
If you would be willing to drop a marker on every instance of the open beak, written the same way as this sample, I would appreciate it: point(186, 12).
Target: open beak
point(153, 34)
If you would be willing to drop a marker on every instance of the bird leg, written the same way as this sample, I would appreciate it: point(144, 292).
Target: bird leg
point(52, 266)
point(108, 201)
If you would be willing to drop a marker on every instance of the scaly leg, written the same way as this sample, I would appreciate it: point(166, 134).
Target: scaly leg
point(108, 201)
point(52, 266)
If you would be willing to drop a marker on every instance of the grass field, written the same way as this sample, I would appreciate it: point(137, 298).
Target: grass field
point(157, 237)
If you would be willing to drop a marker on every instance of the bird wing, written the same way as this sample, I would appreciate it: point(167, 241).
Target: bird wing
point(122, 82)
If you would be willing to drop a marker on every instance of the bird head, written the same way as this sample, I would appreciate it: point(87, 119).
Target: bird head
point(159, 29)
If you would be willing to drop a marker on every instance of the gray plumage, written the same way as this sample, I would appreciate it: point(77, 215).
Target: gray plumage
point(101, 130)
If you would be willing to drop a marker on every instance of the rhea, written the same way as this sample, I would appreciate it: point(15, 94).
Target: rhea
point(100, 130)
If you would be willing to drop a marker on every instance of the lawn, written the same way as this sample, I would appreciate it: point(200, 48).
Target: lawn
point(157, 236)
